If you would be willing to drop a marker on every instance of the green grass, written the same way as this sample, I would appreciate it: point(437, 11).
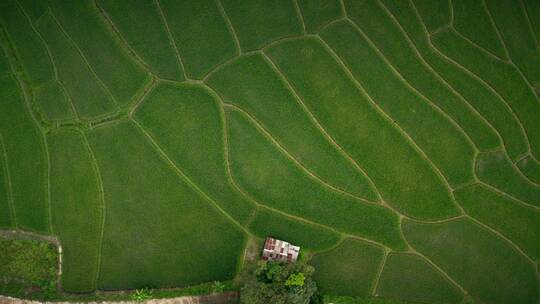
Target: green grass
point(518, 223)
point(76, 208)
point(530, 168)
point(251, 84)
point(149, 230)
point(28, 268)
point(388, 38)
point(433, 133)
point(161, 141)
point(186, 122)
point(495, 169)
point(435, 13)
point(276, 182)
point(501, 76)
point(484, 264)
point(5, 68)
point(409, 277)
point(200, 33)
point(6, 220)
point(350, 269)
point(141, 25)
point(303, 234)
point(359, 300)
point(119, 72)
point(533, 12)
point(89, 97)
point(318, 13)
point(29, 47)
point(259, 22)
point(26, 161)
point(473, 21)
point(519, 40)
point(33, 8)
point(319, 81)
point(54, 102)
point(475, 93)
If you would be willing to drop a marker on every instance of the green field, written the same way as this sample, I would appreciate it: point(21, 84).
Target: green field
point(397, 142)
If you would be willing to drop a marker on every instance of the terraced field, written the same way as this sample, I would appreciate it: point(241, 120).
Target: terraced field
point(397, 142)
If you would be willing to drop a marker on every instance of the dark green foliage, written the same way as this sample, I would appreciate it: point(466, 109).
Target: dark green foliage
point(279, 283)
point(28, 268)
point(295, 280)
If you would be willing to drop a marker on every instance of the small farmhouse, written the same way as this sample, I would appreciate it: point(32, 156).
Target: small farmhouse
point(278, 250)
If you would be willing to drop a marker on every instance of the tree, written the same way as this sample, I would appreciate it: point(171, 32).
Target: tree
point(296, 279)
point(279, 283)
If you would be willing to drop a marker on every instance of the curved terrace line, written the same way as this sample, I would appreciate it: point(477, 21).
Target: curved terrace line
point(421, 153)
point(325, 134)
point(438, 76)
point(478, 78)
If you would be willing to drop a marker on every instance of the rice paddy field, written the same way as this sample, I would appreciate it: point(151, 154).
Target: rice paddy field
point(396, 142)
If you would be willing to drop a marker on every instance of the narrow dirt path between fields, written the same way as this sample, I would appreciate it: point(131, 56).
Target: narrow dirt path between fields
point(224, 298)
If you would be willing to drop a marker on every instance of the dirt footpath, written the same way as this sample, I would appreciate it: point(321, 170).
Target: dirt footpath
point(225, 298)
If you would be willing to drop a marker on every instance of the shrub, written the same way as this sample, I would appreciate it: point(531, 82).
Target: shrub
point(141, 295)
point(28, 268)
point(218, 287)
point(280, 283)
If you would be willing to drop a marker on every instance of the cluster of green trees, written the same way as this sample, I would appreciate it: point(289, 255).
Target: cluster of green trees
point(280, 283)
